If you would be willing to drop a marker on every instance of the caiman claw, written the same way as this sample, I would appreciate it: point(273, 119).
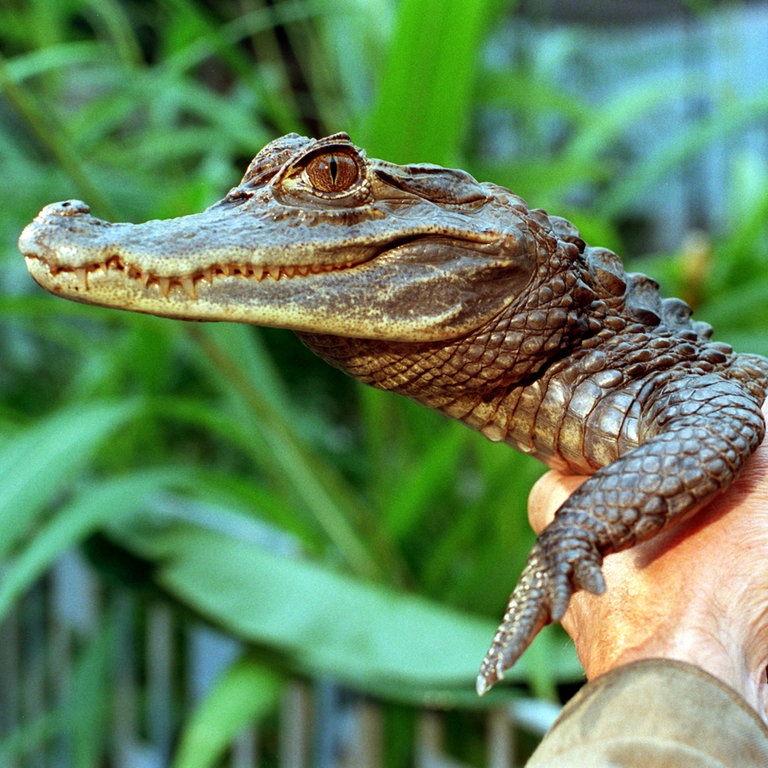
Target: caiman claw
point(554, 571)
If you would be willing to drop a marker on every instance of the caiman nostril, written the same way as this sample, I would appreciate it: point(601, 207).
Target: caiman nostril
point(65, 208)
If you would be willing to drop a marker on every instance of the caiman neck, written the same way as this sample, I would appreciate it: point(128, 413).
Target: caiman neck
point(454, 375)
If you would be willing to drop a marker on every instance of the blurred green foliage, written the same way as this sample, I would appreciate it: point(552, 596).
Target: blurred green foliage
point(382, 538)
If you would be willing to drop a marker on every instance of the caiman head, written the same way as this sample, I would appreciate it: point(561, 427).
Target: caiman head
point(320, 239)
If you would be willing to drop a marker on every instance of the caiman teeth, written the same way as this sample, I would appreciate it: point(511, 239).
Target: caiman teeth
point(165, 285)
point(189, 283)
point(81, 273)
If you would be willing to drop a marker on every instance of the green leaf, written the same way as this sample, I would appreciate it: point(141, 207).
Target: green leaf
point(30, 737)
point(323, 622)
point(246, 693)
point(38, 462)
point(424, 95)
point(240, 367)
point(91, 508)
point(88, 710)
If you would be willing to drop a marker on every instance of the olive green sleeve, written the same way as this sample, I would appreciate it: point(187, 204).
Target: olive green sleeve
point(655, 713)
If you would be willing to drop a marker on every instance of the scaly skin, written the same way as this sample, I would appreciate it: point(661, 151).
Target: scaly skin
point(420, 280)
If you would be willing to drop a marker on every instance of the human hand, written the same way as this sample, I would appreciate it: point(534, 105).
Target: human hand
point(696, 593)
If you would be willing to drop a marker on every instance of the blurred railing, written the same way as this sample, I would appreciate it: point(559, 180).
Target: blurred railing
point(152, 668)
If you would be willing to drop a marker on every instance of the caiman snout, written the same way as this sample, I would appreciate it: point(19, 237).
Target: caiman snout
point(32, 237)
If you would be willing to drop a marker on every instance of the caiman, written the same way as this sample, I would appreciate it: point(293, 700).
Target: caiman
point(421, 280)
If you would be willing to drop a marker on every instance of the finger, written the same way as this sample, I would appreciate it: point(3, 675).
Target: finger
point(546, 496)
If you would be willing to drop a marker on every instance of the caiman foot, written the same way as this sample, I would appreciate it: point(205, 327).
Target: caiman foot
point(559, 564)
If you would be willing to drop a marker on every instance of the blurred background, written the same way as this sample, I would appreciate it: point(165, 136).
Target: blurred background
point(216, 550)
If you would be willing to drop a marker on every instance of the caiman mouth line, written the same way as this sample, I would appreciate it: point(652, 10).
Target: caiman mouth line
point(189, 283)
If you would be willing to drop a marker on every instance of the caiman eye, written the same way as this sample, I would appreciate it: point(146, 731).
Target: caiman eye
point(333, 172)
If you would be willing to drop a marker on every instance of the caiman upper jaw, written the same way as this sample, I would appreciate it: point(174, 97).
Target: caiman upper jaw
point(234, 264)
point(60, 267)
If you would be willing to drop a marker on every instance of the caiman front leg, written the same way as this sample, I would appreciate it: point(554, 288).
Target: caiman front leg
point(698, 436)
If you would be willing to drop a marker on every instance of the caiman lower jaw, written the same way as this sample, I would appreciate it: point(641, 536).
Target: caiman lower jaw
point(82, 276)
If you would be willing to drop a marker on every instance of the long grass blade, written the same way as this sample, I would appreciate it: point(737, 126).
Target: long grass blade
point(243, 696)
point(424, 94)
point(96, 504)
point(41, 461)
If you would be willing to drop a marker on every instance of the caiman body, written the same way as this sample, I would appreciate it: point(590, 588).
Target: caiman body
point(420, 280)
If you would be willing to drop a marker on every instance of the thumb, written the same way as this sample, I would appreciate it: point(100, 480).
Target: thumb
point(548, 494)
